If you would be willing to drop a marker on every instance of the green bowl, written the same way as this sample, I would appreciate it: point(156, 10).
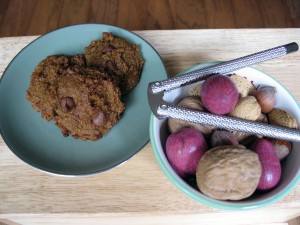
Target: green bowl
point(40, 143)
point(290, 166)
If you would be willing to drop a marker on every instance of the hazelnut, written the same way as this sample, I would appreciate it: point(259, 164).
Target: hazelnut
point(282, 147)
point(189, 103)
point(243, 85)
point(247, 108)
point(281, 117)
point(228, 172)
point(266, 98)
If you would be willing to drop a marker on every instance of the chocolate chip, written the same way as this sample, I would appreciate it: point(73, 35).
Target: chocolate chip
point(108, 48)
point(100, 119)
point(67, 104)
point(71, 71)
point(112, 66)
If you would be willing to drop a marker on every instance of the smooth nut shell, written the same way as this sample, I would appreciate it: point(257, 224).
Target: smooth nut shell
point(228, 172)
point(194, 103)
point(266, 98)
point(282, 147)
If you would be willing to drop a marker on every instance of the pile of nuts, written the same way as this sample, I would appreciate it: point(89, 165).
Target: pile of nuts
point(229, 165)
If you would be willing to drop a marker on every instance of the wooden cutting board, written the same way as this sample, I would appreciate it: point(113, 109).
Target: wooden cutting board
point(137, 192)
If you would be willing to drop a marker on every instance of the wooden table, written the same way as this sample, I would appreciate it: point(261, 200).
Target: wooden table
point(137, 192)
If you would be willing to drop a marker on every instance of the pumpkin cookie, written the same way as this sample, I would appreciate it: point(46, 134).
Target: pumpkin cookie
point(84, 102)
point(118, 57)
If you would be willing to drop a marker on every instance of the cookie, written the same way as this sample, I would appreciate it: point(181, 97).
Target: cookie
point(87, 106)
point(42, 90)
point(84, 102)
point(118, 57)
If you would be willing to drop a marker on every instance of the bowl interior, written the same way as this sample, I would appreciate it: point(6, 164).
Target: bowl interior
point(290, 166)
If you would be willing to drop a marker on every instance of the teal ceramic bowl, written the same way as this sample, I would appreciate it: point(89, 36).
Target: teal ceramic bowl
point(40, 143)
point(290, 166)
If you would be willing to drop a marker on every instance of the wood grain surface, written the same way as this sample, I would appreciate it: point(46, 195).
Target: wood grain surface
point(36, 17)
point(138, 192)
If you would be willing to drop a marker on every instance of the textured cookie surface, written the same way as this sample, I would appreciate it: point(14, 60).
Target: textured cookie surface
point(118, 57)
point(83, 102)
point(95, 106)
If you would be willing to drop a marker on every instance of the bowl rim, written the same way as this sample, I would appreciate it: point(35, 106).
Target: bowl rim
point(193, 193)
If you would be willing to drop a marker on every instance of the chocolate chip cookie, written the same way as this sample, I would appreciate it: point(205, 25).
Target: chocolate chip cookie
point(87, 106)
point(118, 57)
point(83, 101)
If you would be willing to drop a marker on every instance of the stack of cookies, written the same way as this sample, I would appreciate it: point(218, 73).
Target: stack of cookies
point(83, 93)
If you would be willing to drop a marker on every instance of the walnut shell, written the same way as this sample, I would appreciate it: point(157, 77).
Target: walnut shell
point(247, 108)
point(243, 85)
point(190, 102)
point(228, 172)
point(281, 117)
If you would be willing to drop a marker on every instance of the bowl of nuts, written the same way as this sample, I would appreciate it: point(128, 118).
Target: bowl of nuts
point(230, 169)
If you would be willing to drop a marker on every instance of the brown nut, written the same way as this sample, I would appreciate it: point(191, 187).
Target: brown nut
point(243, 85)
point(190, 102)
point(223, 137)
point(240, 136)
point(67, 104)
point(266, 97)
point(262, 118)
point(228, 172)
point(281, 117)
point(196, 91)
point(282, 147)
point(247, 108)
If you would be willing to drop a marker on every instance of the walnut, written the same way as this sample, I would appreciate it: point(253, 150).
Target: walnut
point(189, 103)
point(228, 172)
point(247, 108)
point(243, 85)
point(281, 117)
